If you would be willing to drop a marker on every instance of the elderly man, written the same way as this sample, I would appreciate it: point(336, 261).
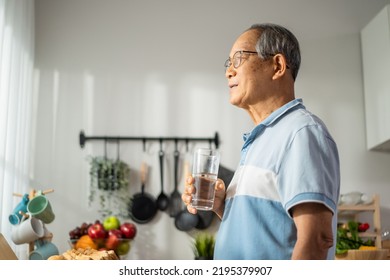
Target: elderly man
point(282, 200)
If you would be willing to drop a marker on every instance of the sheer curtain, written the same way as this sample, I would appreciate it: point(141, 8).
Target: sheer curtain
point(16, 107)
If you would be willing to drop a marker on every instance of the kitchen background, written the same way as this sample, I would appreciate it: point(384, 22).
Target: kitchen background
point(155, 68)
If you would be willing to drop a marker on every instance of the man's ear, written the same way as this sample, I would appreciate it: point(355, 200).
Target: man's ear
point(280, 66)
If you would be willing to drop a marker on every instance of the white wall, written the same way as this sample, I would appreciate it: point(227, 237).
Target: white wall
point(155, 68)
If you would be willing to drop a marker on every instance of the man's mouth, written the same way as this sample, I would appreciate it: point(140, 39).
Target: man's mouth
point(232, 85)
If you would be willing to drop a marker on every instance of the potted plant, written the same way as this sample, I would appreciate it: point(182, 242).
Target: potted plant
point(109, 180)
point(203, 246)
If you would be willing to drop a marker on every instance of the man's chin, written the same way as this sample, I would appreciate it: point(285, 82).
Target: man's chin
point(235, 102)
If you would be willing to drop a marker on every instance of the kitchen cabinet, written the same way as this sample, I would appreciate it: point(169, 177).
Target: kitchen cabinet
point(353, 212)
point(375, 44)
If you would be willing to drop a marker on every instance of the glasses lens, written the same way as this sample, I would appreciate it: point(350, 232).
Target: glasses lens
point(227, 64)
point(237, 59)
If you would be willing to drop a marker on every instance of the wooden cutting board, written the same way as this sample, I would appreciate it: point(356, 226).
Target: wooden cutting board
point(6, 252)
point(377, 254)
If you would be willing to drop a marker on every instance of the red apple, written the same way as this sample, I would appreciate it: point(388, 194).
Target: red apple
point(129, 230)
point(116, 232)
point(112, 242)
point(97, 231)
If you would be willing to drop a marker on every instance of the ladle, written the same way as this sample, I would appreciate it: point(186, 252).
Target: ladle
point(175, 200)
point(162, 199)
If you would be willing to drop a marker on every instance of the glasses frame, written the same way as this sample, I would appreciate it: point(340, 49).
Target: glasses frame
point(237, 60)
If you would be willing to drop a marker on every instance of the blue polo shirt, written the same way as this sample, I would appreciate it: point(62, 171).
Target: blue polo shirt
point(288, 159)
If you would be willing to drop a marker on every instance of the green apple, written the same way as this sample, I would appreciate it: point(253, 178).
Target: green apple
point(111, 222)
point(123, 248)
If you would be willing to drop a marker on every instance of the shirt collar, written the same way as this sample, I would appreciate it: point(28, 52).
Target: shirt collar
point(273, 117)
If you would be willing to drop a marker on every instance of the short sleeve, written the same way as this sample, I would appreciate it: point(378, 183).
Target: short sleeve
point(309, 170)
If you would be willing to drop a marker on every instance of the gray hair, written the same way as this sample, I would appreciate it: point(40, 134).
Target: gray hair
point(274, 39)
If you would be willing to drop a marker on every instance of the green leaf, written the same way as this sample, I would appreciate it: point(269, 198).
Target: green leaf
point(203, 246)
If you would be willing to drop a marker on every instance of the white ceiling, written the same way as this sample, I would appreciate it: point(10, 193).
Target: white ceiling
point(171, 23)
point(309, 18)
point(332, 17)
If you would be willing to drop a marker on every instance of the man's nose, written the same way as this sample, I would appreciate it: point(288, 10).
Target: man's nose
point(230, 72)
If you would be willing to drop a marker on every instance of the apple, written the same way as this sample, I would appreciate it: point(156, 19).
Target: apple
point(116, 232)
point(97, 231)
point(111, 222)
point(129, 230)
point(123, 248)
point(112, 242)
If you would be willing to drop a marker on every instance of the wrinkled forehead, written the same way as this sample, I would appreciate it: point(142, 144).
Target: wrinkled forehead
point(246, 41)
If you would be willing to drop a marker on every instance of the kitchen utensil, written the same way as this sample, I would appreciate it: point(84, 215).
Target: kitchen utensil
point(175, 200)
point(376, 254)
point(28, 230)
point(162, 199)
point(142, 207)
point(40, 208)
point(43, 251)
point(205, 218)
point(184, 220)
point(15, 217)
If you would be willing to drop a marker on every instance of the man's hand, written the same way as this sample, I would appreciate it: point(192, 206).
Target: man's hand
point(219, 201)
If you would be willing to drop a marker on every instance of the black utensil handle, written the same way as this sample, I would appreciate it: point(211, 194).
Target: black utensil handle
point(161, 156)
point(176, 155)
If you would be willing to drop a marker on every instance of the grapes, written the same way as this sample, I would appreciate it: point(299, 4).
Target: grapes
point(79, 231)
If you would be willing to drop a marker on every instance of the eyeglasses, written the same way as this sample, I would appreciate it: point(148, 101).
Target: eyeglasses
point(237, 59)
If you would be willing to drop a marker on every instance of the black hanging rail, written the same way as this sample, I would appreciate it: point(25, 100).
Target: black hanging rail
point(83, 138)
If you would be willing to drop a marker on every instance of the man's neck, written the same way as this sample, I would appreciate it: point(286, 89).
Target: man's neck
point(263, 109)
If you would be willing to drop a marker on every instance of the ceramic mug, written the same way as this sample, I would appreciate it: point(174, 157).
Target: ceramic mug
point(40, 208)
point(29, 230)
point(353, 198)
point(366, 199)
point(43, 251)
point(16, 217)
